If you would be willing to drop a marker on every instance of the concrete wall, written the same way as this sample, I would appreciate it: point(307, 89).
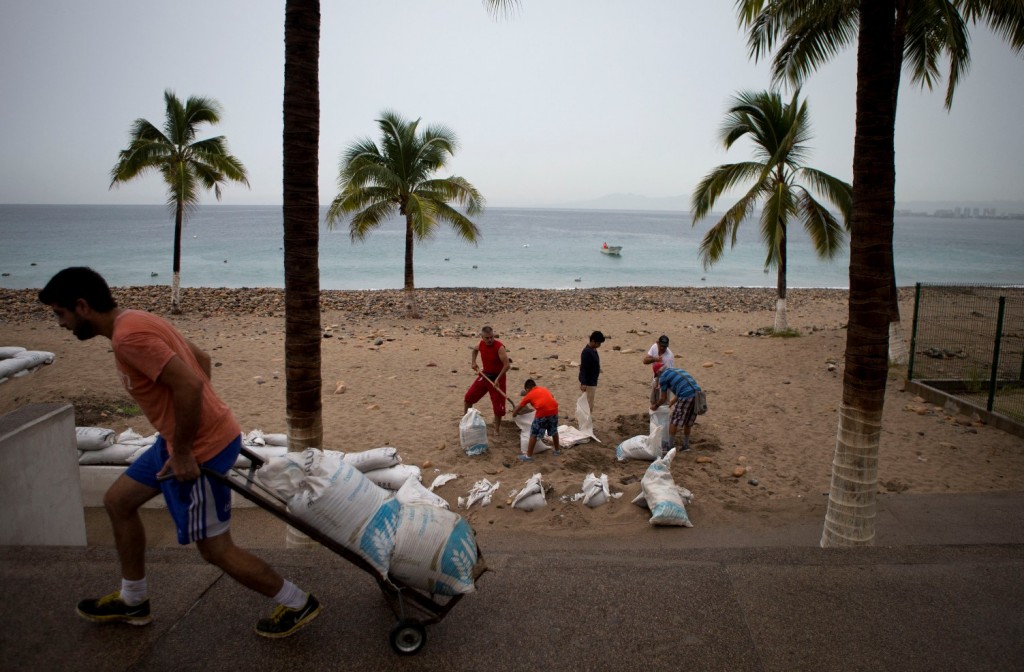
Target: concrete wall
point(40, 493)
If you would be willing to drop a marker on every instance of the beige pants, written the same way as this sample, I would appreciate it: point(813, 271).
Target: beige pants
point(591, 389)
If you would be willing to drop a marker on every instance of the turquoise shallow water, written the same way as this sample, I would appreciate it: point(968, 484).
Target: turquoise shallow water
point(241, 246)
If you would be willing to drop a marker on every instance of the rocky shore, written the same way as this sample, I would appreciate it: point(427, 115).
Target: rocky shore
point(20, 305)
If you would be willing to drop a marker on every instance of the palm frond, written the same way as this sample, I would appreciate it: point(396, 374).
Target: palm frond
point(836, 191)
point(827, 234)
point(718, 181)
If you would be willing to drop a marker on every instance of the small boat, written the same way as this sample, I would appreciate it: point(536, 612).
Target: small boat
point(614, 250)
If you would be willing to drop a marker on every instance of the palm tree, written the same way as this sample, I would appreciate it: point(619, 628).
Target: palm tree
point(779, 132)
point(889, 34)
point(925, 31)
point(397, 179)
point(301, 212)
point(187, 165)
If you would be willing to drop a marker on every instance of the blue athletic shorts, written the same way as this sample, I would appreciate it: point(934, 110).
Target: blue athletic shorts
point(549, 424)
point(200, 508)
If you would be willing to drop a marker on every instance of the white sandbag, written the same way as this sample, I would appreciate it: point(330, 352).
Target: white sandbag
point(584, 420)
point(276, 439)
point(339, 501)
point(659, 430)
point(441, 480)
point(684, 494)
point(482, 492)
point(635, 448)
point(9, 368)
point(524, 421)
point(266, 452)
point(374, 458)
point(541, 445)
point(473, 432)
point(435, 551)
point(663, 498)
point(35, 358)
point(132, 438)
point(531, 497)
point(595, 490)
point(118, 453)
point(23, 363)
point(414, 492)
point(8, 351)
point(569, 436)
point(394, 477)
point(288, 472)
point(93, 438)
point(254, 438)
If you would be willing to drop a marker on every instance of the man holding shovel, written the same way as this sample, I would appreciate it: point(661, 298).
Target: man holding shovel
point(490, 379)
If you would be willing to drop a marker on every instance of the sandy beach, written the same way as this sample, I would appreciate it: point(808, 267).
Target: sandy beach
point(392, 381)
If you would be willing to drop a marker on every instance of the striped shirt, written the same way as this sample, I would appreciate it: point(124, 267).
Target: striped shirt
point(680, 382)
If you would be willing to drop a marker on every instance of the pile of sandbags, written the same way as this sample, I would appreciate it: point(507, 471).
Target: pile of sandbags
point(97, 445)
point(16, 361)
point(409, 537)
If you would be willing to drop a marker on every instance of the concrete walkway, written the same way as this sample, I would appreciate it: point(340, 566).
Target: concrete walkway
point(942, 590)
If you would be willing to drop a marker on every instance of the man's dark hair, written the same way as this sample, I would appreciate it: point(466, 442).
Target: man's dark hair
point(529, 384)
point(78, 282)
point(597, 337)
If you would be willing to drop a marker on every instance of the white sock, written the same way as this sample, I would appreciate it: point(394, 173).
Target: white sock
point(134, 592)
point(291, 596)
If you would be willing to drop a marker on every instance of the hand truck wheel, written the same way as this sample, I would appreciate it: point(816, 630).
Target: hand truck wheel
point(407, 637)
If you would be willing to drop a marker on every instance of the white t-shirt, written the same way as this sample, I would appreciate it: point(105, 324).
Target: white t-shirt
point(668, 359)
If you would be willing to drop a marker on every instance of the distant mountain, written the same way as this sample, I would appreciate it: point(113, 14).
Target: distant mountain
point(682, 204)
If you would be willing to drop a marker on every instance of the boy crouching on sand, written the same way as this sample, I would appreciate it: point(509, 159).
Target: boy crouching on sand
point(545, 420)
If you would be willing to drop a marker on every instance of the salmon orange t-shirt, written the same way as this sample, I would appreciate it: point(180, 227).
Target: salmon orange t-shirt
point(143, 344)
point(542, 401)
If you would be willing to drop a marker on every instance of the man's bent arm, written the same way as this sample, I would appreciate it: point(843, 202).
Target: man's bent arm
point(187, 394)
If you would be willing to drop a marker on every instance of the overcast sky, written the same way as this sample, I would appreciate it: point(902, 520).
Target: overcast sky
point(567, 101)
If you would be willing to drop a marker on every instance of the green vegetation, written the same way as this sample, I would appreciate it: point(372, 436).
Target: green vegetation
point(187, 165)
point(397, 178)
point(779, 132)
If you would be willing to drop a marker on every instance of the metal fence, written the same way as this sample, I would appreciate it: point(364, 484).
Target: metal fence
point(968, 341)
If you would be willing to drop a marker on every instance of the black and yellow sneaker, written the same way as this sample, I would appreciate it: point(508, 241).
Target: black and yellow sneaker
point(112, 609)
point(284, 621)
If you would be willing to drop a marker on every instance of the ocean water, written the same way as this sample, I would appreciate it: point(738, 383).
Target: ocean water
point(242, 246)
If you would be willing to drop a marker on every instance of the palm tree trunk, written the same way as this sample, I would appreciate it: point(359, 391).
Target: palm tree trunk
point(850, 516)
point(302, 335)
point(781, 323)
point(179, 214)
point(898, 352)
point(410, 288)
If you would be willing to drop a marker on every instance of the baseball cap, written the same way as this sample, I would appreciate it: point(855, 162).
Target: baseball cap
point(663, 339)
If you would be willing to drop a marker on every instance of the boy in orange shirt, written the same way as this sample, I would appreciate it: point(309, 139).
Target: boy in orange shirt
point(545, 420)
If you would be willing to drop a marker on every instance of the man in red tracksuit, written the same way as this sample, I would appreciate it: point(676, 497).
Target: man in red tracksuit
point(491, 379)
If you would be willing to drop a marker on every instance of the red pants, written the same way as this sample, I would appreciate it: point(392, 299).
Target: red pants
point(480, 387)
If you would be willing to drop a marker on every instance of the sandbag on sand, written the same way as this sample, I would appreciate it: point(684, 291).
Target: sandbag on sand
point(23, 363)
point(414, 492)
point(531, 497)
point(473, 433)
point(662, 495)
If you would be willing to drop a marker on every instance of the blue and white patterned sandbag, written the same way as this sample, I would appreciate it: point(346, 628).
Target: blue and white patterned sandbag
point(339, 501)
point(435, 551)
point(662, 495)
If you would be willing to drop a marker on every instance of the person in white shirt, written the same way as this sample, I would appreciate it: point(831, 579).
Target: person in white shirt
point(659, 354)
